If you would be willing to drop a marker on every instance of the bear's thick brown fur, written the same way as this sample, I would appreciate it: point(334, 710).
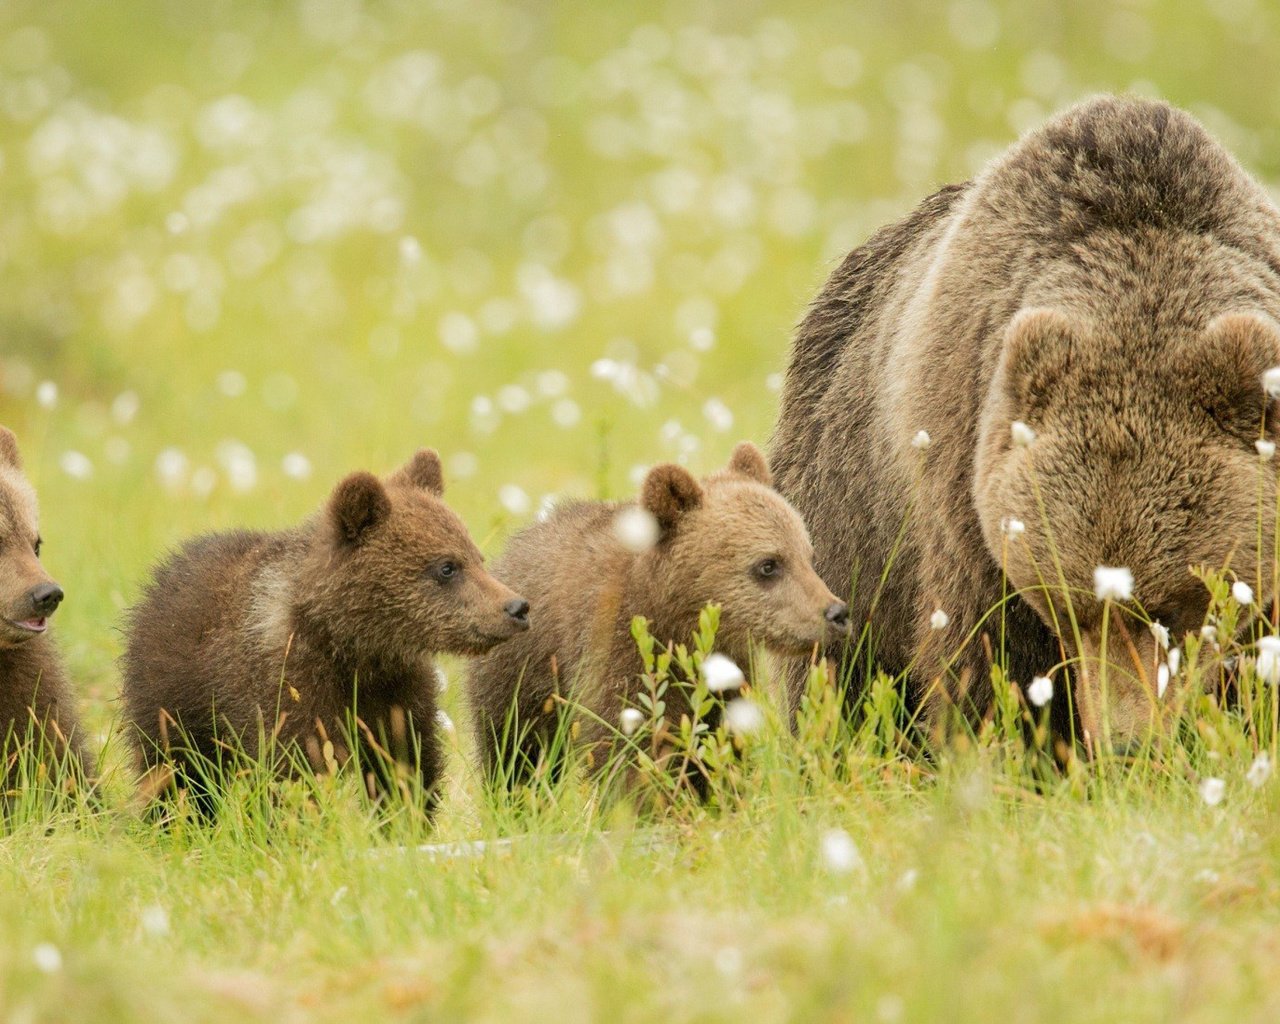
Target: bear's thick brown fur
point(38, 721)
point(293, 635)
point(1113, 281)
point(729, 539)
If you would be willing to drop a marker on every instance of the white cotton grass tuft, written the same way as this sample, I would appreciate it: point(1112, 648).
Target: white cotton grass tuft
point(1012, 528)
point(296, 466)
point(46, 394)
point(1267, 666)
point(840, 854)
point(155, 921)
point(1112, 583)
point(636, 529)
point(1242, 592)
point(1161, 634)
point(1209, 633)
point(1212, 790)
point(1162, 681)
point(1040, 692)
point(1174, 660)
point(630, 720)
point(721, 673)
point(47, 958)
point(1022, 434)
point(1271, 382)
point(445, 722)
point(743, 717)
point(921, 441)
point(1266, 450)
point(939, 619)
point(1259, 771)
point(76, 465)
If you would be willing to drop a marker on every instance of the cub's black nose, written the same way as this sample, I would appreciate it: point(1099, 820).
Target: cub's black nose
point(518, 609)
point(45, 598)
point(838, 615)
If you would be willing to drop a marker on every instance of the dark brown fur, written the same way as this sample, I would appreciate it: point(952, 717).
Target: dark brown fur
point(246, 634)
point(37, 707)
point(587, 587)
point(1081, 284)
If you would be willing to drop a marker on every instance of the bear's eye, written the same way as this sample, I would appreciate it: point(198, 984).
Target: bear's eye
point(444, 570)
point(36, 546)
point(767, 569)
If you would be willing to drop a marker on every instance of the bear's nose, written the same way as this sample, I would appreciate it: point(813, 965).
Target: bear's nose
point(45, 598)
point(838, 615)
point(518, 609)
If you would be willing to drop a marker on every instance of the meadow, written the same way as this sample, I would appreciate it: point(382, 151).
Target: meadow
point(248, 247)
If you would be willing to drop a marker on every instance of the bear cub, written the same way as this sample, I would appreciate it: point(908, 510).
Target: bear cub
point(730, 539)
point(37, 710)
point(313, 645)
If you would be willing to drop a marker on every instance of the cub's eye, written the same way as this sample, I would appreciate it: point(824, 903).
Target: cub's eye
point(36, 546)
point(445, 571)
point(767, 569)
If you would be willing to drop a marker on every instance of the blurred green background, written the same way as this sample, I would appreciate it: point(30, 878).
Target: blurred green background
point(246, 247)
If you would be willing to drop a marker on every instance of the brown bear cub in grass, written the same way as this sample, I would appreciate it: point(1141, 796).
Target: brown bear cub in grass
point(1080, 333)
point(730, 539)
point(37, 712)
point(316, 641)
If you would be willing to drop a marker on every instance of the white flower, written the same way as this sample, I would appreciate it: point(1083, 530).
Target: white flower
point(630, 720)
point(1175, 660)
point(1012, 528)
point(1212, 790)
point(1040, 692)
point(1162, 680)
point(1266, 450)
point(1242, 592)
point(921, 441)
point(743, 717)
point(445, 722)
point(1271, 382)
point(47, 957)
point(1267, 666)
point(155, 921)
point(721, 673)
point(1161, 633)
point(840, 853)
point(636, 529)
point(1112, 584)
point(47, 394)
point(296, 466)
point(1259, 771)
point(1022, 434)
point(939, 620)
point(76, 465)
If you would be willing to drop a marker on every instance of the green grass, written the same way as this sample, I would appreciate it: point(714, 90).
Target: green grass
point(388, 250)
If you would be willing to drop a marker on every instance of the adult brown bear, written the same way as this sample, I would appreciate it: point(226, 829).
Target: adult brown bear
point(1112, 284)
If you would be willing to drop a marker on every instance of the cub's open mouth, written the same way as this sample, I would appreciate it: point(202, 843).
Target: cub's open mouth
point(32, 625)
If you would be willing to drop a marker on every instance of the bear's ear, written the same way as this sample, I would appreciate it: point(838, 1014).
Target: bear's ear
point(423, 471)
point(358, 504)
point(669, 492)
point(1223, 372)
point(9, 455)
point(1038, 349)
point(749, 460)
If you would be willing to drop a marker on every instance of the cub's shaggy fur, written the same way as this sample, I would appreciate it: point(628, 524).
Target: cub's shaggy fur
point(730, 539)
point(291, 636)
point(37, 709)
point(1113, 281)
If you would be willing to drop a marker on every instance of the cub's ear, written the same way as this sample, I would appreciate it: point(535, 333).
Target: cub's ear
point(749, 460)
point(1223, 372)
point(358, 504)
point(423, 471)
point(669, 492)
point(1039, 347)
point(9, 449)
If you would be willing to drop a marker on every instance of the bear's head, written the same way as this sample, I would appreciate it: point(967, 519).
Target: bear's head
point(734, 541)
point(394, 573)
point(1151, 467)
point(28, 596)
